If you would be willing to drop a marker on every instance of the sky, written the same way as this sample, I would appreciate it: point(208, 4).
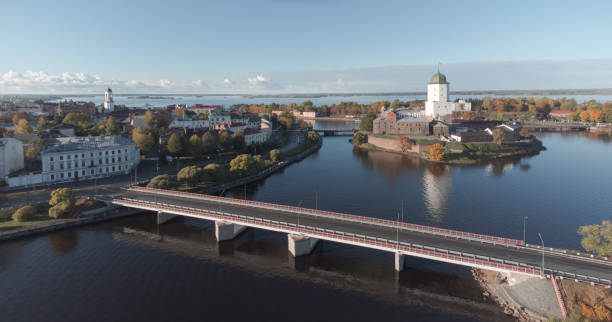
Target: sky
point(301, 46)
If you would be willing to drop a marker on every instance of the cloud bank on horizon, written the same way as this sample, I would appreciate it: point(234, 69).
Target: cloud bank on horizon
point(510, 75)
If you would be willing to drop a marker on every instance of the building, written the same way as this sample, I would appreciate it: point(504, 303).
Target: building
point(109, 104)
point(472, 136)
point(66, 107)
point(254, 136)
point(401, 122)
point(511, 131)
point(189, 124)
point(437, 105)
point(561, 114)
point(81, 158)
point(11, 156)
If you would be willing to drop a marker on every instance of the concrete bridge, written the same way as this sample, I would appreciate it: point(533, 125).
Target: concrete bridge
point(337, 132)
point(305, 227)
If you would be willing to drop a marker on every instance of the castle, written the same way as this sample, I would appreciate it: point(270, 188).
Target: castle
point(437, 105)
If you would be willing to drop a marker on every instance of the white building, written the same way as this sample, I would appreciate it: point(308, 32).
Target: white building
point(11, 156)
point(252, 136)
point(82, 158)
point(189, 124)
point(109, 104)
point(437, 104)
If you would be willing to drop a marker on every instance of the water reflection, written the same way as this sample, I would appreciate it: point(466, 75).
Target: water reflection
point(437, 184)
point(64, 241)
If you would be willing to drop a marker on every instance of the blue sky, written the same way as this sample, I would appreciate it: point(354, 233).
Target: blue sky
point(301, 45)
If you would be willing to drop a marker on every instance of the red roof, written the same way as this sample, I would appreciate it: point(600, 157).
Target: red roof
point(561, 112)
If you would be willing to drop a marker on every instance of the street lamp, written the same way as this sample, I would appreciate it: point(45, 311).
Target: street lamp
point(524, 219)
point(542, 240)
point(298, 214)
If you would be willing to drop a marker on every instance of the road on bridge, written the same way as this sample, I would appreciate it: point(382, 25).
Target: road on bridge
point(560, 264)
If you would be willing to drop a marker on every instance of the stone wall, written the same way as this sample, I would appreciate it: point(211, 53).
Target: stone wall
point(390, 143)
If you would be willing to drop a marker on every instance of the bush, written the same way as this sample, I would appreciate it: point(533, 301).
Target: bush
point(61, 209)
point(190, 174)
point(24, 213)
point(215, 172)
point(360, 138)
point(7, 213)
point(61, 195)
point(163, 181)
point(275, 155)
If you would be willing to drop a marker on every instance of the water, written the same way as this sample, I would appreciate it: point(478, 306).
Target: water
point(317, 101)
point(131, 269)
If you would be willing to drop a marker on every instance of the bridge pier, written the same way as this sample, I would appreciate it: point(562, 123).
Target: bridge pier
point(163, 217)
point(301, 245)
point(227, 231)
point(399, 262)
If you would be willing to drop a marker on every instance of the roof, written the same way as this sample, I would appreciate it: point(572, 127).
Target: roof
point(561, 112)
point(414, 119)
point(85, 143)
point(438, 78)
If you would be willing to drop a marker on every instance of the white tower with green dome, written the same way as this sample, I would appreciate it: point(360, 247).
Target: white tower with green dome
point(437, 104)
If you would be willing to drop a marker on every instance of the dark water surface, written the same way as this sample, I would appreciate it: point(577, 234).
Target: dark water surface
point(133, 270)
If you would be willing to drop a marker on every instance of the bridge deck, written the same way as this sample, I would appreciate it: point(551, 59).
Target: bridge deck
point(374, 233)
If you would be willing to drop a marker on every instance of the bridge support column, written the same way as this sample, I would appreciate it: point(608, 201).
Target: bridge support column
point(163, 217)
point(227, 231)
point(301, 245)
point(399, 262)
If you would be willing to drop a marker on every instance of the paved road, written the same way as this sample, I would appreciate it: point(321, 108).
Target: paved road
point(557, 263)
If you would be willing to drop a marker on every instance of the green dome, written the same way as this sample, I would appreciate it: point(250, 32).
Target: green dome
point(438, 78)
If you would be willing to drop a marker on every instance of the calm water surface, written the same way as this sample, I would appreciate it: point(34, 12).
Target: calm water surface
point(133, 270)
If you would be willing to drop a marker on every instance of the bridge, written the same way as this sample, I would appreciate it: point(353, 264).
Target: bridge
point(305, 227)
point(337, 131)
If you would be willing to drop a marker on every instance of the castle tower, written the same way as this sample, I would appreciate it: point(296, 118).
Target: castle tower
point(437, 89)
point(109, 105)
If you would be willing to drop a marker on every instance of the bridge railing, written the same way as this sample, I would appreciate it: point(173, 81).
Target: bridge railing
point(363, 240)
point(416, 227)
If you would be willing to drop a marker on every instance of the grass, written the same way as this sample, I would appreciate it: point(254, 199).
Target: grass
point(21, 194)
point(38, 218)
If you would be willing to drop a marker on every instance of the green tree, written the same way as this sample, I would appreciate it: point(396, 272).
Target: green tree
point(143, 140)
point(225, 142)
point(23, 127)
point(597, 238)
point(195, 146)
point(312, 137)
point(175, 144)
point(78, 120)
point(209, 142)
point(110, 126)
point(238, 141)
point(62, 202)
point(149, 120)
point(190, 174)
point(215, 172)
point(37, 144)
point(243, 165)
point(24, 213)
point(498, 136)
point(163, 181)
point(42, 124)
point(275, 155)
point(367, 122)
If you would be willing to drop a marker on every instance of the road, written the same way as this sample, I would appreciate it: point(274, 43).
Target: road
point(559, 263)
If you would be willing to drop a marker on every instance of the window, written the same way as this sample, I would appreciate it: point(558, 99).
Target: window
point(52, 177)
point(100, 161)
point(82, 155)
point(99, 153)
point(51, 167)
point(51, 159)
point(68, 156)
point(106, 169)
point(113, 168)
point(91, 154)
point(61, 157)
point(113, 151)
point(76, 156)
point(91, 171)
point(113, 160)
point(69, 174)
point(83, 172)
point(69, 165)
point(119, 151)
point(91, 163)
point(62, 166)
point(106, 160)
point(83, 163)
point(126, 158)
point(62, 175)
point(119, 167)
point(106, 152)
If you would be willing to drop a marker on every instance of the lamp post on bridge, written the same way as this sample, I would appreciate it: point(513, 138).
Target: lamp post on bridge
point(298, 215)
point(524, 219)
point(542, 240)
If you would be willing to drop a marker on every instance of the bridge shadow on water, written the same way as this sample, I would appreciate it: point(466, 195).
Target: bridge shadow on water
point(440, 287)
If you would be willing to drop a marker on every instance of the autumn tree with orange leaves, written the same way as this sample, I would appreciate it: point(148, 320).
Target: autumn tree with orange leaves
point(436, 152)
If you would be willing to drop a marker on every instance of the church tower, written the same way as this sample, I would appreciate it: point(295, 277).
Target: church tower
point(437, 89)
point(109, 105)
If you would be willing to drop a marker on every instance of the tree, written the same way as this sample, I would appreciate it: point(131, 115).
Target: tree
point(190, 174)
point(360, 138)
point(209, 142)
point(42, 124)
point(20, 116)
point(275, 155)
point(175, 146)
point(596, 115)
point(367, 122)
point(143, 140)
point(37, 144)
point(215, 172)
point(23, 127)
point(498, 136)
point(584, 116)
point(312, 137)
point(437, 152)
point(238, 141)
point(225, 142)
point(597, 238)
point(62, 202)
point(78, 120)
point(195, 146)
point(243, 165)
point(525, 133)
point(110, 126)
point(406, 144)
point(24, 213)
point(149, 120)
point(163, 181)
